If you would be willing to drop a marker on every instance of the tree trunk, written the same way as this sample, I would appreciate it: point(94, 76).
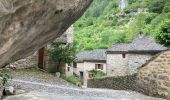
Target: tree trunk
point(60, 67)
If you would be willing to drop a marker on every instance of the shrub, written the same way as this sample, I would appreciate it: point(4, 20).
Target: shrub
point(163, 33)
point(166, 9)
point(72, 79)
point(5, 75)
point(97, 73)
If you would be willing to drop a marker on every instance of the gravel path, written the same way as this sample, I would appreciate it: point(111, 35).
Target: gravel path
point(43, 86)
point(49, 96)
point(45, 91)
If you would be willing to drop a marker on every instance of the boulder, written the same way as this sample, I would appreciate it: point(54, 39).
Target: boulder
point(28, 25)
point(9, 90)
point(58, 74)
point(19, 91)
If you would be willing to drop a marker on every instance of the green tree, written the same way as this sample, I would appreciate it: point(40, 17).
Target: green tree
point(163, 33)
point(5, 74)
point(62, 53)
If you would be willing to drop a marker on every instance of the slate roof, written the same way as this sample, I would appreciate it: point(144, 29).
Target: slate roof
point(145, 43)
point(119, 47)
point(140, 44)
point(98, 55)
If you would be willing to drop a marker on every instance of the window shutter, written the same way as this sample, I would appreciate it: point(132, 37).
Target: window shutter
point(101, 66)
point(96, 66)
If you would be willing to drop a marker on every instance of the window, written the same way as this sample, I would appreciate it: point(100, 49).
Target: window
point(74, 64)
point(99, 66)
point(123, 55)
point(90, 75)
point(69, 64)
point(68, 68)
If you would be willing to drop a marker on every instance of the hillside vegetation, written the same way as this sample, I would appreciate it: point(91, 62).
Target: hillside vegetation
point(104, 23)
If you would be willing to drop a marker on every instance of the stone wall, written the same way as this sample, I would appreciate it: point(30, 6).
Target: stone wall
point(116, 83)
point(31, 61)
point(154, 76)
point(117, 65)
point(49, 65)
point(137, 60)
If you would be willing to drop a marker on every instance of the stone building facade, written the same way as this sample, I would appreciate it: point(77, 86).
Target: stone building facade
point(124, 59)
point(117, 60)
point(154, 76)
point(137, 60)
point(48, 64)
point(87, 61)
point(89, 66)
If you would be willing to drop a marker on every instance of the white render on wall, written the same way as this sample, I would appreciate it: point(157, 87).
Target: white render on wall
point(87, 66)
point(70, 71)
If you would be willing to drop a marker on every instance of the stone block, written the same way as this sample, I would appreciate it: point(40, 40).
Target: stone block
point(167, 83)
point(163, 77)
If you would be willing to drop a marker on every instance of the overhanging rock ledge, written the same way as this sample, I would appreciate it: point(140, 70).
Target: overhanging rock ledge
point(27, 25)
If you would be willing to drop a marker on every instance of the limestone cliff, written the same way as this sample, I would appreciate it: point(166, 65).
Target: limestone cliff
point(27, 25)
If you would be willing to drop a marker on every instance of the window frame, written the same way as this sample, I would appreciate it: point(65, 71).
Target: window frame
point(99, 66)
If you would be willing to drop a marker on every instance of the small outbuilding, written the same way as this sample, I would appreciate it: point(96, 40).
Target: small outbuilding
point(90, 60)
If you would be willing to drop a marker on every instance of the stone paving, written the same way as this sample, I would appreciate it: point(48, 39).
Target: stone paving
point(45, 91)
point(47, 96)
point(38, 89)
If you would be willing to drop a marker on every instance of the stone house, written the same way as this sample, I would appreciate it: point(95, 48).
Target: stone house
point(42, 60)
point(49, 64)
point(124, 59)
point(117, 60)
point(90, 60)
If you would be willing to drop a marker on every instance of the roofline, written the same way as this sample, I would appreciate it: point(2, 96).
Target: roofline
point(153, 58)
point(135, 51)
point(116, 52)
point(145, 51)
point(103, 61)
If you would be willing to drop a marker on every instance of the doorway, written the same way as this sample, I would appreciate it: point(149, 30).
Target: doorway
point(81, 75)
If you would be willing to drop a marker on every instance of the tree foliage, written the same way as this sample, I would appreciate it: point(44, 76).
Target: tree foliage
point(62, 53)
point(5, 75)
point(163, 35)
point(105, 24)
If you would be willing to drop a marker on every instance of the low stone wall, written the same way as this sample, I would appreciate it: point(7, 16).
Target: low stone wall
point(116, 83)
point(31, 61)
point(154, 76)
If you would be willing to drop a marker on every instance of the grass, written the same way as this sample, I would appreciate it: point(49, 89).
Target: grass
point(98, 74)
point(72, 79)
point(33, 72)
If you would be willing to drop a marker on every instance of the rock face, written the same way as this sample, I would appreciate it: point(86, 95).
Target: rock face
point(29, 62)
point(154, 76)
point(27, 25)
